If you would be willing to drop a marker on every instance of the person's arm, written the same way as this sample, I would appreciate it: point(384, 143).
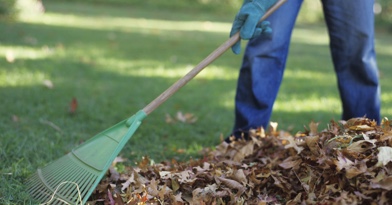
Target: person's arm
point(247, 21)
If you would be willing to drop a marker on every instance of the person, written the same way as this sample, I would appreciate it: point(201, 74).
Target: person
point(350, 25)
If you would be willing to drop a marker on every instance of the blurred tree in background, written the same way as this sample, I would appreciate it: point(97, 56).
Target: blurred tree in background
point(311, 11)
point(383, 9)
point(7, 9)
point(10, 9)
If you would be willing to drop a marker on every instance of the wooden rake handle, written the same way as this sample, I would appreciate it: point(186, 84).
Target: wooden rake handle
point(204, 63)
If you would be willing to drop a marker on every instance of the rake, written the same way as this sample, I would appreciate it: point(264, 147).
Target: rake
point(72, 178)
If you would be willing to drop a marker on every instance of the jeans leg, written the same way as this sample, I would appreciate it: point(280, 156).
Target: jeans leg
point(262, 71)
point(351, 30)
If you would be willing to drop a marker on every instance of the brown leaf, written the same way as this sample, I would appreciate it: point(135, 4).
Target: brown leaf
point(312, 143)
point(169, 119)
point(144, 163)
point(343, 163)
point(240, 177)
point(164, 191)
point(243, 152)
point(186, 118)
point(313, 128)
point(291, 143)
point(353, 171)
point(73, 105)
point(385, 183)
point(361, 146)
point(130, 180)
point(282, 183)
point(114, 175)
point(204, 194)
point(291, 162)
point(175, 185)
point(110, 197)
point(232, 184)
point(185, 176)
point(296, 200)
point(152, 188)
point(178, 199)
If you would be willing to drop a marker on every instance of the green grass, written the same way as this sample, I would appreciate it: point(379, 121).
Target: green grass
point(115, 60)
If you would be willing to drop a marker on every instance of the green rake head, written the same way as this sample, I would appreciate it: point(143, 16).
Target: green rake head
point(72, 178)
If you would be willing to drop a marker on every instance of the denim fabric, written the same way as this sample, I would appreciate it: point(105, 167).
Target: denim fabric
point(350, 26)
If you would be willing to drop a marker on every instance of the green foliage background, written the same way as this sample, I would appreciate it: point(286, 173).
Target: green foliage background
point(385, 17)
point(311, 9)
point(7, 9)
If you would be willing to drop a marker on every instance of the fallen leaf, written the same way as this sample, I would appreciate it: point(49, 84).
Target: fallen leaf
point(312, 143)
point(361, 146)
point(178, 198)
point(131, 180)
point(291, 162)
point(111, 200)
point(385, 183)
point(291, 143)
point(313, 128)
point(204, 194)
point(114, 175)
point(73, 105)
point(175, 185)
point(48, 84)
point(186, 118)
point(343, 163)
point(118, 159)
point(358, 168)
point(15, 118)
point(361, 128)
point(243, 152)
point(232, 184)
point(152, 188)
point(169, 119)
point(240, 176)
point(384, 156)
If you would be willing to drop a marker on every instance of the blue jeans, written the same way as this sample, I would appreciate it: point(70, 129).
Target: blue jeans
point(350, 26)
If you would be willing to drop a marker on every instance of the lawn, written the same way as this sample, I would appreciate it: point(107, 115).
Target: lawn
point(114, 60)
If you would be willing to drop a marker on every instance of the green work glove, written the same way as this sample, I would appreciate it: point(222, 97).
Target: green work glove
point(247, 21)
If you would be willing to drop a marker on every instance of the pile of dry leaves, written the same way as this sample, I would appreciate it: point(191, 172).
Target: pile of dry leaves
point(348, 163)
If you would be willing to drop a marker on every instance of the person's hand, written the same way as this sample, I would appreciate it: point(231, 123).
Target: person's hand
point(247, 21)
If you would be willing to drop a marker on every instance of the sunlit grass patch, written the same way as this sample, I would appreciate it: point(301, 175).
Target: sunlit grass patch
point(386, 97)
point(171, 70)
point(315, 103)
point(130, 24)
point(314, 36)
point(21, 78)
point(15, 53)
